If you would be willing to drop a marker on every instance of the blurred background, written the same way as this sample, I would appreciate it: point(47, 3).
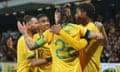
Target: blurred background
point(107, 11)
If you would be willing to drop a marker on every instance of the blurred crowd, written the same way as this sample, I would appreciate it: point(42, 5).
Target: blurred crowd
point(110, 54)
point(111, 51)
point(8, 44)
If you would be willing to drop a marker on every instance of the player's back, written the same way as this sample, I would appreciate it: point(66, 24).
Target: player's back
point(90, 56)
point(65, 58)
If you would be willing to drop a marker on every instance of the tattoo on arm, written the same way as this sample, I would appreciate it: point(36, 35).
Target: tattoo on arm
point(31, 45)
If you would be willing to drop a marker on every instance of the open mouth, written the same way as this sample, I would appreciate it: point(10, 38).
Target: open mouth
point(47, 26)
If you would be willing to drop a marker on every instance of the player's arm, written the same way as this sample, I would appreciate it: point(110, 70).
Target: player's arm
point(93, 35)
point(81, 43)
point(101, 28)
point(40, 61)
point(76, 44)
point(85, 33)
point(31, 45)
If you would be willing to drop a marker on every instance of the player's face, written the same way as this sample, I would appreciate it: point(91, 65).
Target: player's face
point(34, 25)
point(57, 17)
point(44, 23)
point(79, 15)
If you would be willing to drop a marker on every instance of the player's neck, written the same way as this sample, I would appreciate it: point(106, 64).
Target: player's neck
point(86, 21)
point(41, 32)
point(30, 34)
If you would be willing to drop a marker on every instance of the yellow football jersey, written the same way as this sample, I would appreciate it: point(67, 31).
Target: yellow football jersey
point(43, 52)
point(22, 54)
point(65, 47)
point(90, 56)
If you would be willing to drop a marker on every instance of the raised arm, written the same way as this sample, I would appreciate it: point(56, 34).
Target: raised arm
point(31, 45)
point(101, 28)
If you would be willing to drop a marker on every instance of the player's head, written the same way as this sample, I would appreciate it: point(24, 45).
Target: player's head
point(43, 21)
point(63, 15)
point(84, 11)
point(31, 23)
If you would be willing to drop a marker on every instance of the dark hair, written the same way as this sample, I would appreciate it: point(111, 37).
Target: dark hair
point(89, 8)
point(27, 18)
point(41, 15)
point(65, 12)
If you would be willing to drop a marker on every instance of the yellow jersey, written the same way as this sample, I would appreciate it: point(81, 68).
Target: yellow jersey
point(43, 52)
point(90, 56)
point(22, 53)
point(65, 47)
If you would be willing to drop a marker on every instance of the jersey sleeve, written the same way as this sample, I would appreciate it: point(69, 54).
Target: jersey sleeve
point(40, 42)
point(20, 49)
point(76, 44)
point(21, 52)
point(84, 32)
point(44, 39)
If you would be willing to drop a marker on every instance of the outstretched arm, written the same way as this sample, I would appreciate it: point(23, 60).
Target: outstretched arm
point(76, 44)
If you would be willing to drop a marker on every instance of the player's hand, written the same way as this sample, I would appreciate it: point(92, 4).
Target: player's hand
point(100, 36)
point(56, 28)
point(21, 27)
point(37, 62)
point(99, 25)
point(10, 43)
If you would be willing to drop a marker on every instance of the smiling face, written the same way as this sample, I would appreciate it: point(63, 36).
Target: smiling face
point(44, 23)
point(32, 25)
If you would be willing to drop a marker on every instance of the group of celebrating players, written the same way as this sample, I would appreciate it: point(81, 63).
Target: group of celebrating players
point(64, 46)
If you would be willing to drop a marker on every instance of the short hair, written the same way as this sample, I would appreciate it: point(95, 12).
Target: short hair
point(41, 15)
point(65, 12)
point(27, 18)
point(89, 8)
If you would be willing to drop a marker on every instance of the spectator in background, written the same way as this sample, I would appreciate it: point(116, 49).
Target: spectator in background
point(112, 29)
point(112, 49)
point(117, 16)
point(113, 58)
point(7, 42)
point(10, 46)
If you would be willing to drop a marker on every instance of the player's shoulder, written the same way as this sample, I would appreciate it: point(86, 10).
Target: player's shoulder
point(90, 25)
point(47, 32)
point(37, 35)
point(71, 25)
point(21, 38)
point(80, 26)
